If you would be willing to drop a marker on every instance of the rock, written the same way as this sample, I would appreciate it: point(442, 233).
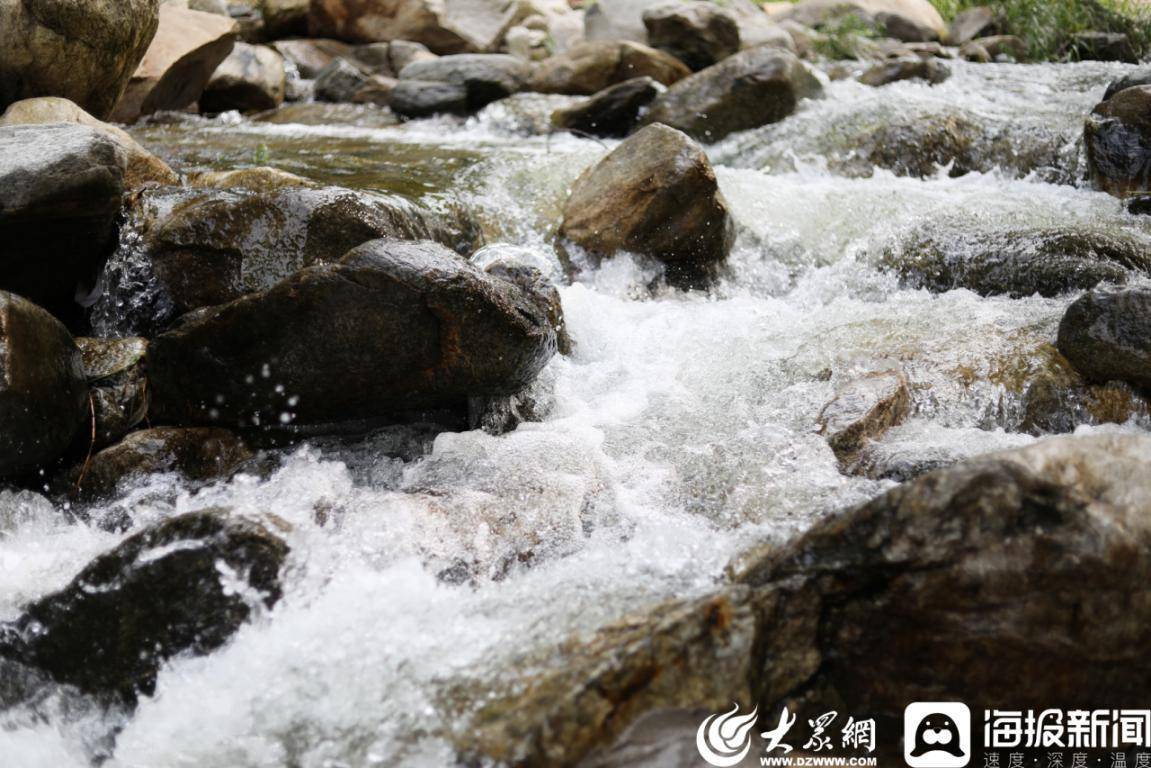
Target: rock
point(974, 52)
point(656, 195)
point(913, 68)
point(1139, 205)
point(60, 188)
point(451, 26)
point(1141, 76)
point(994, 48)
point(747, 90)
point(613, 111)
point(258, 179)
point(525, 113)
point(401, 53)
point(863, 410)
point(1118, 141)
point(527, 43)
point(182, 586)
point(43, 394)
point(590, 67)
point(118, 382)
point(431, 331)
point(617, 20)
point(484, 77)
point(84, 52)
point(187, 49)
point(340, 81)
point(251, 79)
point(1102, 46)
point(912, 21)
point(420, 98)
point(1107, 336)
point(541, 292)
point(311, 56)
point(323, 113)
point(971, 23)
point(194, 454)
point(285, 18)
point(696, 32)
point(1043, 261)
point(142, 166)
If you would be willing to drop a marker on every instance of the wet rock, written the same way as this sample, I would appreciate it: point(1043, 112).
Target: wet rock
point(697, 33)
point(195, 454)
point(613, 111)
point(912, 21)
point(1140, 205)
point(1048, 262)
point(430, 332)
point(343, 81)
point(258, 179)
point(1141, 76)
point(538, 290)
point(905, 69)
point(142, 166)
point(484, 77)
point(455, 26)
point(118, 383)
point(251, 79)
point(285, 18)
point(980, 21)
point(43, 393)
point(656, 195)
point(84, 52)
point(311, 56)
point(187, 49)
point(184, 585)
point(1102, 46)
point(1107, 336)
point(590, 67)
point(323, 113)
point(1118, 141)
point(525, 113)
point(419, 98)
point(60, 188)
point(747, 90)
point(863, 410)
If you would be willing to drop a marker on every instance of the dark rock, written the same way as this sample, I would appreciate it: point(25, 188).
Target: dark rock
point(863, 410)
point(285, 18)
point(1107, 336)
point(974, 52)
point(1102, 46)
point(60, 188)
point(251, 79)
point(1140, 205)
point(417, 98)
point(613, 111)
point(971, 23)
point(1118, 140)
point(311, 56)
point(163, 592)
point(339, 81)
point(590, 67)
point(429, 332)
point(484, 77)
point(752, 88)
point(43, 394)
point(905, 69)
point(542, 293)
point(1141, 76)
point(697, 33)
point(118, 383)
point(656, 195)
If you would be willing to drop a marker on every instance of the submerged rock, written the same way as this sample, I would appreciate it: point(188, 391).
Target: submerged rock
point(82, 51)
point(1118, 139)
point(184, 585)
point(484, 77)
point(697, 33)
point(752, 88)
point(454, 26)
point(613, 111)
point(656, 195)
point(257, 179)
point(251, 79)
point(591, 67)
point(43, 392)
point(912, 68)
point(864, 409)
point(118, 382)
point(1107, 336)
point(430, 331)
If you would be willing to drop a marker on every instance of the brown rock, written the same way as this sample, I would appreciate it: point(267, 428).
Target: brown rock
point(118, 383)
point(864, 409)
point(311, 56)
point(591, 67)
point(697, 33)
point(971, 23)
point(452, 26)
point(251, 79)
point(913, 68)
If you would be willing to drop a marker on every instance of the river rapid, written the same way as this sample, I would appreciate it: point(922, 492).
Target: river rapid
point(682, 430)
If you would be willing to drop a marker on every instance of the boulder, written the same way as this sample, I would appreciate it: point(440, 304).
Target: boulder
point(1102, 46)
point(696, 32)
point(84, 52)
point(980, 21)
point(590, 67)
point(142, 166)
point(1016, 263)
point(911, 68)
point(485, 77)
point(752, 88)
point(187, 49)
point(616, 20)
point(43, 393)
point(340, 81)
point(401, 53)
point(912, 21)
point(194, 454)
point(257, 179)
point(864, 409)
point(251, 79)
point(311, 56)
point(1140, 76)
point(118, 382)
point(182, 586)
point(430, 331)
point(423, 98)
point(444, 26)
point(655, 195)
point(995, 48)
point(60, 189)
point(1118, 141)
point(613, 111)
point(285, 18)
point(1107, 336)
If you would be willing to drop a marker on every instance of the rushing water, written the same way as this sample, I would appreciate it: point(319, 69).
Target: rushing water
point(682, 429)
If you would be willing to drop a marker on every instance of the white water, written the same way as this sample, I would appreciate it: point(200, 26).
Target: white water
point(683, 431)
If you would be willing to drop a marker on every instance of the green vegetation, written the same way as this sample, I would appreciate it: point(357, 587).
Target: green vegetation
point(841, 37)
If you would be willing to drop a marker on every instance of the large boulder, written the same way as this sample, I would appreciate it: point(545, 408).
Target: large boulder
point(444, 26)
point(590, 67)
point(1118, 140)
point(698, 33)
point(655, 195)
point(912, 21)
point(187, 49)
point(43, 392)
point(485, 77)
point(60, 190)
point(424, 98)
point(613, 111)
point(752, 88)
point(393, 330)
point(118, 384)
point(344, 81)
point(251, 79)
point(182, 586)
point(285, 18)
point(1107, 336)
point(81, 51)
